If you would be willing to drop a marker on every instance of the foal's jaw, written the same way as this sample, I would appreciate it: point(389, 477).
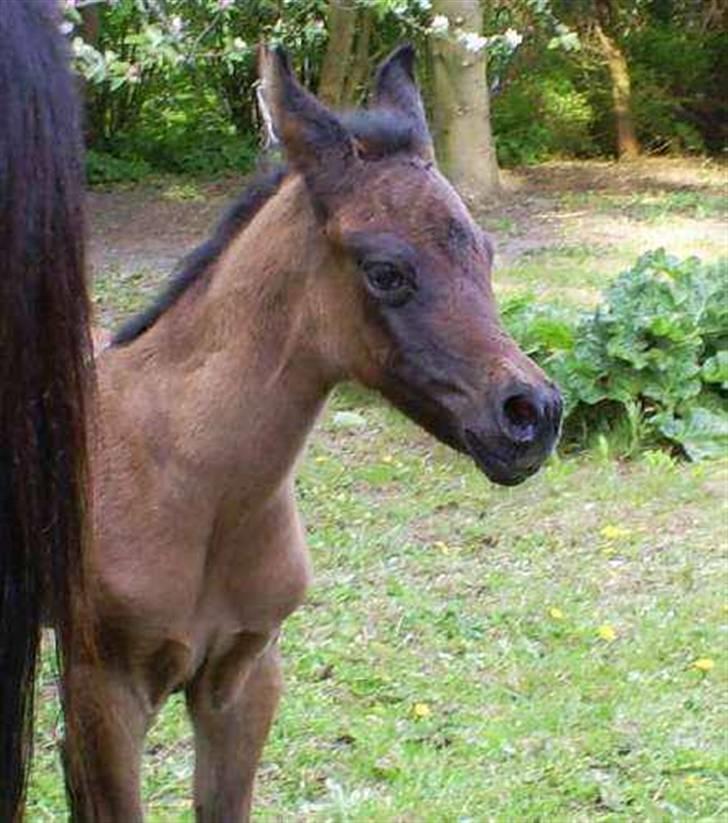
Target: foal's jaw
point(508, 429)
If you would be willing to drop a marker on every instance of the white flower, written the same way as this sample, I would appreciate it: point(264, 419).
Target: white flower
point(239, 43)
point(512, 39)
point(224, 4)
point(176, 25)
point(440, 24)
point(472, 41)
point(66, 27)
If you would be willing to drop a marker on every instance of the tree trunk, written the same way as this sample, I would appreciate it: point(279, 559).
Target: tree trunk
point(628, 146)
point(463, 138)
point(605, 23)
point(341, 26)
point(359, 68)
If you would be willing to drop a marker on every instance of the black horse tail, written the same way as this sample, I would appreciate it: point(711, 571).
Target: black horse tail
point(44, 370)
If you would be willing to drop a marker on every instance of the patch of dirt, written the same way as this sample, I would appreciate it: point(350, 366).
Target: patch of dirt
point(149, 228)
point(142, 228)
point(550, 205)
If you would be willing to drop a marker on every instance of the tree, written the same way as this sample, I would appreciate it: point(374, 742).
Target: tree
point(360, 65)
point(461, 105)
point(604, 22)
point(334, 71)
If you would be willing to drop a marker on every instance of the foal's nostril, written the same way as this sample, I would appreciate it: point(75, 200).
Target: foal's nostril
point(522, 416)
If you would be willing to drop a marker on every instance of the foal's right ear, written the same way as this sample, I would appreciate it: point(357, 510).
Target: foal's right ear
point(316, 142)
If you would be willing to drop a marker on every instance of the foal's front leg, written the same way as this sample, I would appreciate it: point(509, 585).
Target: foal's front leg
point(232, 705)
point(107, 736)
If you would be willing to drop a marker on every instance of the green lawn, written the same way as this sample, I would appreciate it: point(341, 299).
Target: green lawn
point(469, 653)
point(472, 653)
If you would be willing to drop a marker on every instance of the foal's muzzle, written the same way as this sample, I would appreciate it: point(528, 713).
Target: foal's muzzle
point(516, 434)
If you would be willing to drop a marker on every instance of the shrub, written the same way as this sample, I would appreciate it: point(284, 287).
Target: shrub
point(103, 168)
point(195, 148)
point(649, 364)
point(540, 116)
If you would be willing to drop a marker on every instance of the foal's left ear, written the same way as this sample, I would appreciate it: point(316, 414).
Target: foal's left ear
point(395, 89)
point(316, 142)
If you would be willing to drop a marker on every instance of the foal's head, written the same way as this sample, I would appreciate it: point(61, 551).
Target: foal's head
point(409, 299)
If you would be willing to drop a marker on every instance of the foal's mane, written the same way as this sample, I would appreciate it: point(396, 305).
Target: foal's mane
point(378, 132)
point(198, 262)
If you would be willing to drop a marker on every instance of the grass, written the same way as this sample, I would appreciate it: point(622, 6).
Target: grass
point(570, 272)
point(652, 206)
point(594, 235)
point(118, 294)
point(473, 653)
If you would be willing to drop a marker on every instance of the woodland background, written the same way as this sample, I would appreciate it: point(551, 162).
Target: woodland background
point(169, 84)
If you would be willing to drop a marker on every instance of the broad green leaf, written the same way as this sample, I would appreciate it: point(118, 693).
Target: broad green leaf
point(702, 433)
point(715, 369)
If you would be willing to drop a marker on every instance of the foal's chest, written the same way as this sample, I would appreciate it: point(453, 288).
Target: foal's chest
point(258, 571)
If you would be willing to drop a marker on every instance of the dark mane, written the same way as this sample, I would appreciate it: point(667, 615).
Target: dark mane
point(379, 132)
point(194, 266)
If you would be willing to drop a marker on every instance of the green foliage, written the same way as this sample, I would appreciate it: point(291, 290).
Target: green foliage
point(542, 115)
point(676, 76)
point(200, 147)
point(171, 84)
point(676, 62)
point(542, 329)
point(104, 168)
point(650, 363)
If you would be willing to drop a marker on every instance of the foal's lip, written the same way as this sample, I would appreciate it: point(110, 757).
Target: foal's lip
point(495, 466)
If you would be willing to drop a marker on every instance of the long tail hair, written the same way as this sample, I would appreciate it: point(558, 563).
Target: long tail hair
point(44, 369)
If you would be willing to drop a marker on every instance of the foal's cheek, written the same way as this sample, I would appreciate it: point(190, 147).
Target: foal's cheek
point(363, 347)
point(371, 363)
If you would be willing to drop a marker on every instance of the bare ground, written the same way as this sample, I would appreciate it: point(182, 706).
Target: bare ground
point(594, 203)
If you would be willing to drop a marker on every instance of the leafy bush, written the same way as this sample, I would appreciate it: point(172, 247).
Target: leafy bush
point(676, 75)
point(103, 168)
point(192, 148)
point(649, 364)
point(542, 116)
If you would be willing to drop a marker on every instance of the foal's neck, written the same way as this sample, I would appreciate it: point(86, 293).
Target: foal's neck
point(236, 364)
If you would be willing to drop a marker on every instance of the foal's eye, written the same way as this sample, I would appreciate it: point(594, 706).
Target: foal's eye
point(387, 280)
point(384, 276)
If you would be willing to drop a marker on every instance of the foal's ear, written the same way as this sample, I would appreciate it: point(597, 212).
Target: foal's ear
point(316, 142)
point(395, 89)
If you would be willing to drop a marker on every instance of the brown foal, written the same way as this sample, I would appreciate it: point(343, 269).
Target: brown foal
point(359, 261)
